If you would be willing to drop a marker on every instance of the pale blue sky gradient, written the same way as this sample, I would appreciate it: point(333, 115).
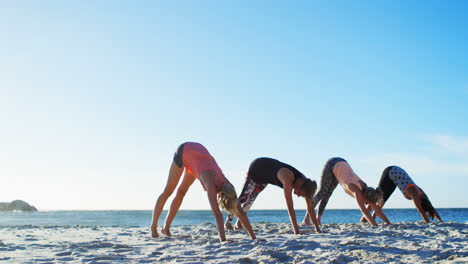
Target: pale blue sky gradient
point(95, 96)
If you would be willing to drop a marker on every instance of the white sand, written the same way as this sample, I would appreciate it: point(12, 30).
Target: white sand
point(342, 243)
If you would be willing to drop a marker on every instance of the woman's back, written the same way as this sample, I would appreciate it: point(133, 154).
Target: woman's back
point(346, 176)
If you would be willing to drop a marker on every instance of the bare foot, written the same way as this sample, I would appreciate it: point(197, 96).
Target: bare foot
point(363, 220)
point(154, 232)
point(305, 222)
point(228, 225)
point(165, 231)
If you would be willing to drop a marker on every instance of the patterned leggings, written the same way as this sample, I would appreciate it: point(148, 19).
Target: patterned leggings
point(248, 195)
point(328, 183)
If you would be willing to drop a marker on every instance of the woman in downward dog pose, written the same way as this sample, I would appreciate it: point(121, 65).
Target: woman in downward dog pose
point(199, 164)
point(264, 171)
point(337, 170)
point(395, 176)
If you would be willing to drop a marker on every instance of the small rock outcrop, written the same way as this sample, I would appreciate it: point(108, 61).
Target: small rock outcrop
point(17, 205)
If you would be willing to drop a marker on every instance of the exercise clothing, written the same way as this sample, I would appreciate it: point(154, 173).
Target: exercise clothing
point(196, 159)
point(400, 178)
point(265, 171)
point(249, 194)
point(178, 155)
point(346, 176)
point(328, 183)
point(262, 171)
point(393, 177)
point(386, 184)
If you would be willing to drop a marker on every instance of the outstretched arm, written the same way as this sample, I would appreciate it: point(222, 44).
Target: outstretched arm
point(360, 201)
point(379, 212)
point(417, 203)
point(311, 212)
point(286, 177)
point(437, 216)
point(368, 208)
point(245, 221)
point(289, 202)
point(211, 191)
point(364, 211)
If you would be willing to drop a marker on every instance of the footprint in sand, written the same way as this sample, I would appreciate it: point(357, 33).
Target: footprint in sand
point(61, 254)
point(123, 250)
point(43, 260)
point(65, 259)
point(246, 260)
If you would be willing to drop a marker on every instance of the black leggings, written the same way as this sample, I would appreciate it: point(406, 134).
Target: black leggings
point(386, 184)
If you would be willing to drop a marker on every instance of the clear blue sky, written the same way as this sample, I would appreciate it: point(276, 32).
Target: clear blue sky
point(95, 96)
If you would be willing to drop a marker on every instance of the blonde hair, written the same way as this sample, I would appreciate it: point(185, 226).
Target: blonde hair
point(373, 195)
point(227, 199)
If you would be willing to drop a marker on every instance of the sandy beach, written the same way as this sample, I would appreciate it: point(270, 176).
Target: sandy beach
point(413, 242)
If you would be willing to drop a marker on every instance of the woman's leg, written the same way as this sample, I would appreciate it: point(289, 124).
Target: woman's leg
point(174, 176)
point(183, 188)
point(242, 198)
point(386, 184)
point(248, 196)
point(328, 183)
point(248, 200)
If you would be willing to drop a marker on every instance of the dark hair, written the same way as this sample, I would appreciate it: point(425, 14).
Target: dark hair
point(427, 207)
point(309, 186)
point(373, 195)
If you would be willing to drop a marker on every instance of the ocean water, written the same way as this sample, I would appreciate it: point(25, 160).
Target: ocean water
point(194, 217)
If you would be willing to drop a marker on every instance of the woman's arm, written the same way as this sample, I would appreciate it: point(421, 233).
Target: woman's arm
point(360, 201)
point(311, 212)
point(417, 203)
point(306, 220)
point(245, 221)
point(289, 202)
point(379, 212)
point(374, 215)
point(286, 177)
point(437, 216)
point(211, 192)
point(363, 218)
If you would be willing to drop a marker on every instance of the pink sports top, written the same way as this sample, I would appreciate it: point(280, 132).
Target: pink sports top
point(345, 176)
point(197, 159)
